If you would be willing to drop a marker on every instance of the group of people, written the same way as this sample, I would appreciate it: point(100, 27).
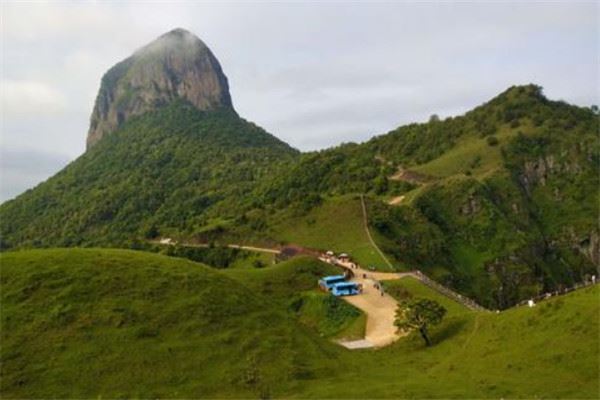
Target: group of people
point(349, 274)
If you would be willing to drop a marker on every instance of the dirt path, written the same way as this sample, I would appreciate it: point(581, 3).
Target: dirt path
point(231, 246)
point(380, 310)
point(252, 248)
point(409, 176)
point(366, 225)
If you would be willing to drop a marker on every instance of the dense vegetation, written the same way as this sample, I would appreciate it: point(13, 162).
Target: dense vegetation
point(177, 171)
point(499, 203)
point(521, 220)
point(73, 320)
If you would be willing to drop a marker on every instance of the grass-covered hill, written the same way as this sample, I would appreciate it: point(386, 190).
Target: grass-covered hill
point(499, 203)
point(336, 224)
point(114, 323)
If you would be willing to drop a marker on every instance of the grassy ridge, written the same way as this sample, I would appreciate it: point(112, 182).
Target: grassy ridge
point(292, 286)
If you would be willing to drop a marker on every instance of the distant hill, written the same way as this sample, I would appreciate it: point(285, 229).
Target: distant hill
point(74, 319)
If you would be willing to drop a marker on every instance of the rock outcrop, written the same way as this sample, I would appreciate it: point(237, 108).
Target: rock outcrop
point(176, 65)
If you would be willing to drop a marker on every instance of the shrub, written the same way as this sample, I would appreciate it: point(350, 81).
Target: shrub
point(492, 140)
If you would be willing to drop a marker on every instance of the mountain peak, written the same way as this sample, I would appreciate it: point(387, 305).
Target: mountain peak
point(176, 65)
point(521, 92)
point(179, 32)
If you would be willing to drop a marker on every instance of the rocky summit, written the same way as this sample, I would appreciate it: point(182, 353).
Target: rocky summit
point(175, 65)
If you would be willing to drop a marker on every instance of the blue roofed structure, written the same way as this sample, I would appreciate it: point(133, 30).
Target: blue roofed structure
point(326, 283)
point(346, 289)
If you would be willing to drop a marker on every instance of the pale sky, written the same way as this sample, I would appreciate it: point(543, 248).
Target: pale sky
point(315, 74)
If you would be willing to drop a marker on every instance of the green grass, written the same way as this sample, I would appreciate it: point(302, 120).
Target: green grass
point(112, 323)
point(335, 225)
point(266, 259)
point(292, 286)
point(74, 320)
point(282, 280)
point(471, 153)
point(330, 316)
point(415, 288)
point(550, 351)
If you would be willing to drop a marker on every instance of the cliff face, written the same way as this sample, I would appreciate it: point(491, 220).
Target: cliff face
point(176, 65)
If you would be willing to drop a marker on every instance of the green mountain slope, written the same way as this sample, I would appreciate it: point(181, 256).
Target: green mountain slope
point(169, 172)
point(74, 320)
point(506, 221)
point(499, 203)
point(335, 224)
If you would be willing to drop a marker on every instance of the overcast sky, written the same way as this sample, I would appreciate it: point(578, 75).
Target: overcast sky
point(313, 74)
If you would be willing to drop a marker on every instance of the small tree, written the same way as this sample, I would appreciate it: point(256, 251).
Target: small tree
point(419, 314)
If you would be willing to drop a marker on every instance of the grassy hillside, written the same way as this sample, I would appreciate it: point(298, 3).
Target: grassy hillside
point(292, 286)
point(281, 280)
point(336, 224)
point(73, 320)
point(509, 209)
point(405, 288)
point(550, 351)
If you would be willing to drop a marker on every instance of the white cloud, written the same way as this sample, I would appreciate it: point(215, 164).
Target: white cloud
point(30, 98)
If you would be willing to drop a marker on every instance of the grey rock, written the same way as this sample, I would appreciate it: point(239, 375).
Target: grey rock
point(176, 65)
